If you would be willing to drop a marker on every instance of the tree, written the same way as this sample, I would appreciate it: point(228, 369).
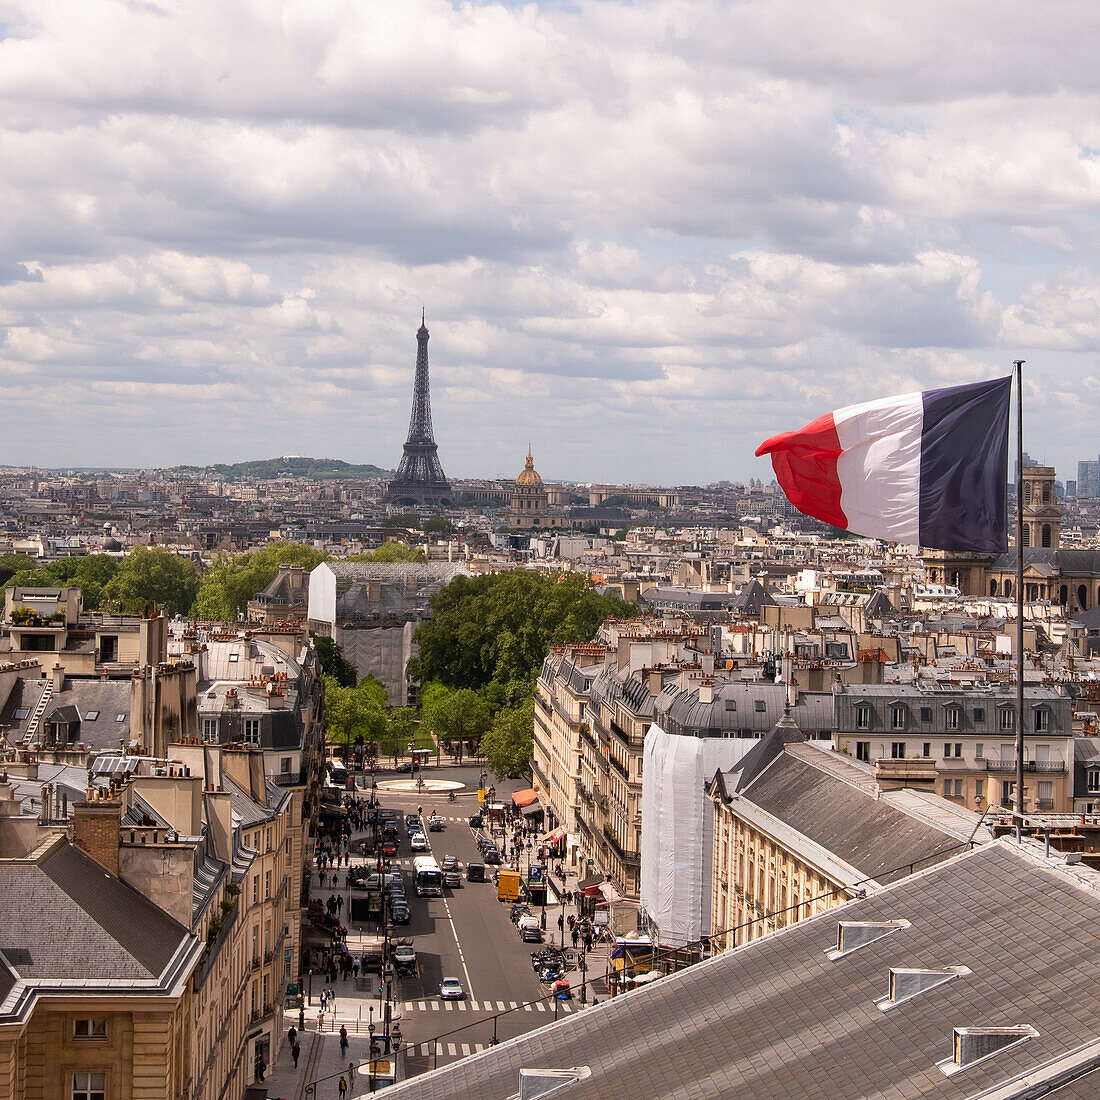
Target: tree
point(508, 745)
point(90, 574)
point(152, 576)
point(438, 525)
point(403, 521)
point(399, 732)
point(499, 627)
point(391, 551)
point(231, 580)
point(456, 717)
point(352, 712)
point(333, 662)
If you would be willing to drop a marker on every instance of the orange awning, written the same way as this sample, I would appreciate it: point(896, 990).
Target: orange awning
point(525, 798)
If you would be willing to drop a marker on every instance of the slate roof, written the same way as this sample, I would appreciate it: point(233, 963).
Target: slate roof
point(64, 918)
point(778, 1020)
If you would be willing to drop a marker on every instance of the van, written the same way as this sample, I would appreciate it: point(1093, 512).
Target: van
point(475, 872)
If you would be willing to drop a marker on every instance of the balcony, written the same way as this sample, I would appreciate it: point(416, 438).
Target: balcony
point(1043, 767)
point(912, 769)
point(586, 734)
point(626, 738)
point(620, 768)
point(254, 963)
point(268, 956)
point(627, 856)
point(1044, 804)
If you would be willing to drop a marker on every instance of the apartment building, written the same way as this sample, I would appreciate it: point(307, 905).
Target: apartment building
point(959, 741)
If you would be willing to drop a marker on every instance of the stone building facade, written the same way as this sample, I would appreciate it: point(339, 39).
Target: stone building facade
point(529, 507)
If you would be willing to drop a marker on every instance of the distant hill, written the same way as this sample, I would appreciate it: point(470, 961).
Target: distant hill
point(317, 468)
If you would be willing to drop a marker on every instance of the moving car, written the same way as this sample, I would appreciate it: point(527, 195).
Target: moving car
point(436, 824)
point(451, 990)
point(492, 857)
point(475, 872)
point(418, 842)
point(389, 849)
point(476, 821)
point(404, 957)
point(411, 819)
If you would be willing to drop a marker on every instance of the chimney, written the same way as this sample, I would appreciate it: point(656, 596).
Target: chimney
point(94, 828)
point(57, 678)
point(706, 691)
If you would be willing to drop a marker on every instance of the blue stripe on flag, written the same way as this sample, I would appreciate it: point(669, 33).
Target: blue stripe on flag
point(964, 467)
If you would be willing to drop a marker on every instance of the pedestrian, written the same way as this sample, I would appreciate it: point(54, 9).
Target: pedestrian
point(292, 1034)
point(355, 968)
point(321, 877)
point(351, 1074)
point(332, 998)
point(343, 1087)
point(561, 923)
point(321, 1021)
point(572, 921)
point(343, 1041)
point(302, 1019)
point(295, 1051)
point(340, 903)
point(576, 937)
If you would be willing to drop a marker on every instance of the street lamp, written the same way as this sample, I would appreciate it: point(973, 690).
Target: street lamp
point(584, 976)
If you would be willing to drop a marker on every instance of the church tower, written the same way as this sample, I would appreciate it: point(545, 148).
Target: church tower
point(1042, 516)
point(529, 498)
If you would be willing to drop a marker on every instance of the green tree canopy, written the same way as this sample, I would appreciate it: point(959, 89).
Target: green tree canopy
point(508, 745)
point(231, 580)
point(333, 661)
point(392, 550)
point(90, 574)
point(458, 717)
point(151, 575)
point(352, 712)
point(499, 627)
point(438, 525)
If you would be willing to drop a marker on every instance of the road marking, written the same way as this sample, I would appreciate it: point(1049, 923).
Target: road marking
point(458, 945)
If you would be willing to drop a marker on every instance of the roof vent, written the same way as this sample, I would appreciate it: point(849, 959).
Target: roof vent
point(534, 1083)
point(906, 983)
point(851, 935)
point(976, 1044)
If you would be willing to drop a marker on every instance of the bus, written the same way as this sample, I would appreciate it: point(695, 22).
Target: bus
point(429, 878)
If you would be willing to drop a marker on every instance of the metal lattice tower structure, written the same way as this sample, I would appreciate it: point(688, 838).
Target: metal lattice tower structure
point(420, 481)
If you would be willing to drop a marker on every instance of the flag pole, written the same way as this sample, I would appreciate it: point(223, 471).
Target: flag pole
point(1019, 364)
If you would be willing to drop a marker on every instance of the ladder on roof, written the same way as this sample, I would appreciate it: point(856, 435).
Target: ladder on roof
point(36, 717)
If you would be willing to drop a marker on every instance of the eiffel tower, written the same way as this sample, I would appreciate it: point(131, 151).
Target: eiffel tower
point(420, 481)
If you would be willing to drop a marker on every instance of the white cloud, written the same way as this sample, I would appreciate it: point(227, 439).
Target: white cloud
point(632, 224)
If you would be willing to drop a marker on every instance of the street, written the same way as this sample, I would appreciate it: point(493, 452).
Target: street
point(465, 934)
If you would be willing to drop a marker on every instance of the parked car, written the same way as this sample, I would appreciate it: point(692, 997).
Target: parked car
point(476, 821)
point(418, 842)
point(492, 857)
point(411, 819)
point(518, 910)
point(404, 957)
point(404, 766)
point(475, 872)
point(451, 990)
point(399, 910)
point(531, 935)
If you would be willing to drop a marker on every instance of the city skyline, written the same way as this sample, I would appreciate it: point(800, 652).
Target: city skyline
point(647, 236)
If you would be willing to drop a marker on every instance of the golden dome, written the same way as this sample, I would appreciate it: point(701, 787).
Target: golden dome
point(529, 475)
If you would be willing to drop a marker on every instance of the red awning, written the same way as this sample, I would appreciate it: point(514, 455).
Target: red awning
point(525, 798)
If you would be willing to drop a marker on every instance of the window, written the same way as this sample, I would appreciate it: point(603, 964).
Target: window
point(210, 729)
point(897, 717)
point(863, 718)
point(90, 1029)
point(952, 716)
point(897, 750)
point(979, 714)
point(979, 790)
point(267, 884)
point(926, 750)
point(21, 713)
point(979, 751)
point(953, 788)
point(863, 751)
point(1007, 718)
point(1008, 793)
point(120, 717)
point(1093, 781)
point(952, 749)
point(759, 705)
point(1046, 794)
point(255, 889)
point(284, 765)
point(91, 716)
point(234, 658)
point(1042, 720)
point(252, 730)
point(89, 1086)
point(926, 714)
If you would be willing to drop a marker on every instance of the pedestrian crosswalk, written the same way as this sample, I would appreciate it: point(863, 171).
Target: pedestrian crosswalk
point(450, 1050)
point(434, 1005)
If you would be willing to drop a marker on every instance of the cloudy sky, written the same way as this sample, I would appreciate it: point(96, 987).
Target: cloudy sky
point(647, 235)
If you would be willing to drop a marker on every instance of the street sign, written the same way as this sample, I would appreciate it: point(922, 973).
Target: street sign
point(482, 795)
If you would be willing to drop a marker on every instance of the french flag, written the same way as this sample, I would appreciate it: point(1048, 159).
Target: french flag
point(927, 468)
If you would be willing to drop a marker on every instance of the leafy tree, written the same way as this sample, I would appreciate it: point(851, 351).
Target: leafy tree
point(231, 580)
point(392, 550)
point(403, 521)
point(18, 563)
point(508, 745)
point(90, 574)
point(438, 525)
point(399, 732)
point(499, 627)
point(457, 717)
point(333, 662)
point(148, 576)
point(352, 712)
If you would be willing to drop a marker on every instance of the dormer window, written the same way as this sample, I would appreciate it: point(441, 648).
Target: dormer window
point(863, 717)
point(975, 1044)
point(1092, 780)
point(897, 716)
point(1042, 720)
point(951, 716)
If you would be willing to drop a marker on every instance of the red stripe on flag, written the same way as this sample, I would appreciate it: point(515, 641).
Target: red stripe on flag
point(805, 467)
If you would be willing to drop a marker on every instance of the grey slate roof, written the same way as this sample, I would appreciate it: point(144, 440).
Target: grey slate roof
point(66, 917)
point(777, 1020)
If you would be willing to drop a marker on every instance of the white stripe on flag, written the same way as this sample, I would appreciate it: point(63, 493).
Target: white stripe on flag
point(879, 469)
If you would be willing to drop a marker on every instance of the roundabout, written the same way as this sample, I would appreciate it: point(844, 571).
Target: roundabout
point(421, 785)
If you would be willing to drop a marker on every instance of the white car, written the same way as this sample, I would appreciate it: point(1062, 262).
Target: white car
point(451, 990)
point(418, 842)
